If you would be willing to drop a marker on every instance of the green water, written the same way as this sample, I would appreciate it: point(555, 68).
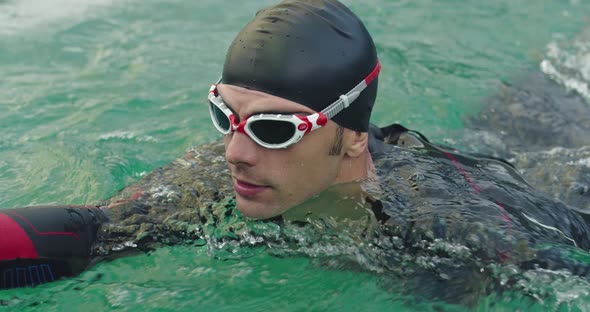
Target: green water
point(95, 93)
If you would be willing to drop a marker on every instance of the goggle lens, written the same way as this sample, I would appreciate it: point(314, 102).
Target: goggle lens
point(220, 118)
point(273, 131)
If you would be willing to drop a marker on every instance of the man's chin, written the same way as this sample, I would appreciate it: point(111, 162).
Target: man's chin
point(255, 209)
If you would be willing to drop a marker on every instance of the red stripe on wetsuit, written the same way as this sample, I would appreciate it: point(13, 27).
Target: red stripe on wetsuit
point(503, 254)
point(14, 241)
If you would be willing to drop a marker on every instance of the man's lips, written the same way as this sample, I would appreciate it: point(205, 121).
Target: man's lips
point(248, 189)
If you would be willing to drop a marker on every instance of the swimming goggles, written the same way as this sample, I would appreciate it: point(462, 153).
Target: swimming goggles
point(276, 131)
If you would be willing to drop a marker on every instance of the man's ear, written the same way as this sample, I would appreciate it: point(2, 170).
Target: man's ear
point(357, 143)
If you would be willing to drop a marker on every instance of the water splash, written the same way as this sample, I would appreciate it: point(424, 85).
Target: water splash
point(568, 63)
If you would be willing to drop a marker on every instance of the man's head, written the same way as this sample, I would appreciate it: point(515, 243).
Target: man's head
point(314, 59)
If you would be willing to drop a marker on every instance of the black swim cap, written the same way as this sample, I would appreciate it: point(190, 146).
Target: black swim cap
point(309, 52)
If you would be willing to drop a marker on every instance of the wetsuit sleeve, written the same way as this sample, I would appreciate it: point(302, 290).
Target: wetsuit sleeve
point(42, 244)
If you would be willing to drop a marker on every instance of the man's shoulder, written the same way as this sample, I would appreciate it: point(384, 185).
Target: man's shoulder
point(382, 140)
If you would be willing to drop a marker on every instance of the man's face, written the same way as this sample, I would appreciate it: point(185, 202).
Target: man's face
point(269, 181)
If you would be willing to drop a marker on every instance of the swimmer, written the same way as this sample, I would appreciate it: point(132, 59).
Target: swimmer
point(293, 103)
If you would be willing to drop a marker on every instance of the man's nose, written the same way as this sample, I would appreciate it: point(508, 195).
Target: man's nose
point(240, 149)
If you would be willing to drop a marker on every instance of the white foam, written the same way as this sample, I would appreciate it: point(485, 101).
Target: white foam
point(568, 63)
point(126, 135)
point(554, 151)
point(580, 162)
point(163, 192)
point(570, 83)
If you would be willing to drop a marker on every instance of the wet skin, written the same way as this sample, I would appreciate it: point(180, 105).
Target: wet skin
point(267, 182)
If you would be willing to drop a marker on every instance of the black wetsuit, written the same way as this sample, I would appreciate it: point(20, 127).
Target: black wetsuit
point(438, 193)
point(430, 193)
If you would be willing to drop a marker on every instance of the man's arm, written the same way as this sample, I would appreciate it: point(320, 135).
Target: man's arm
point(45, 243)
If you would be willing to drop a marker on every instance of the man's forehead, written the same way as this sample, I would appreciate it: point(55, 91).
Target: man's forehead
point(246, 102)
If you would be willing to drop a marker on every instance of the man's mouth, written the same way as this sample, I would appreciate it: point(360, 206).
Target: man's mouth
point(247, 189)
